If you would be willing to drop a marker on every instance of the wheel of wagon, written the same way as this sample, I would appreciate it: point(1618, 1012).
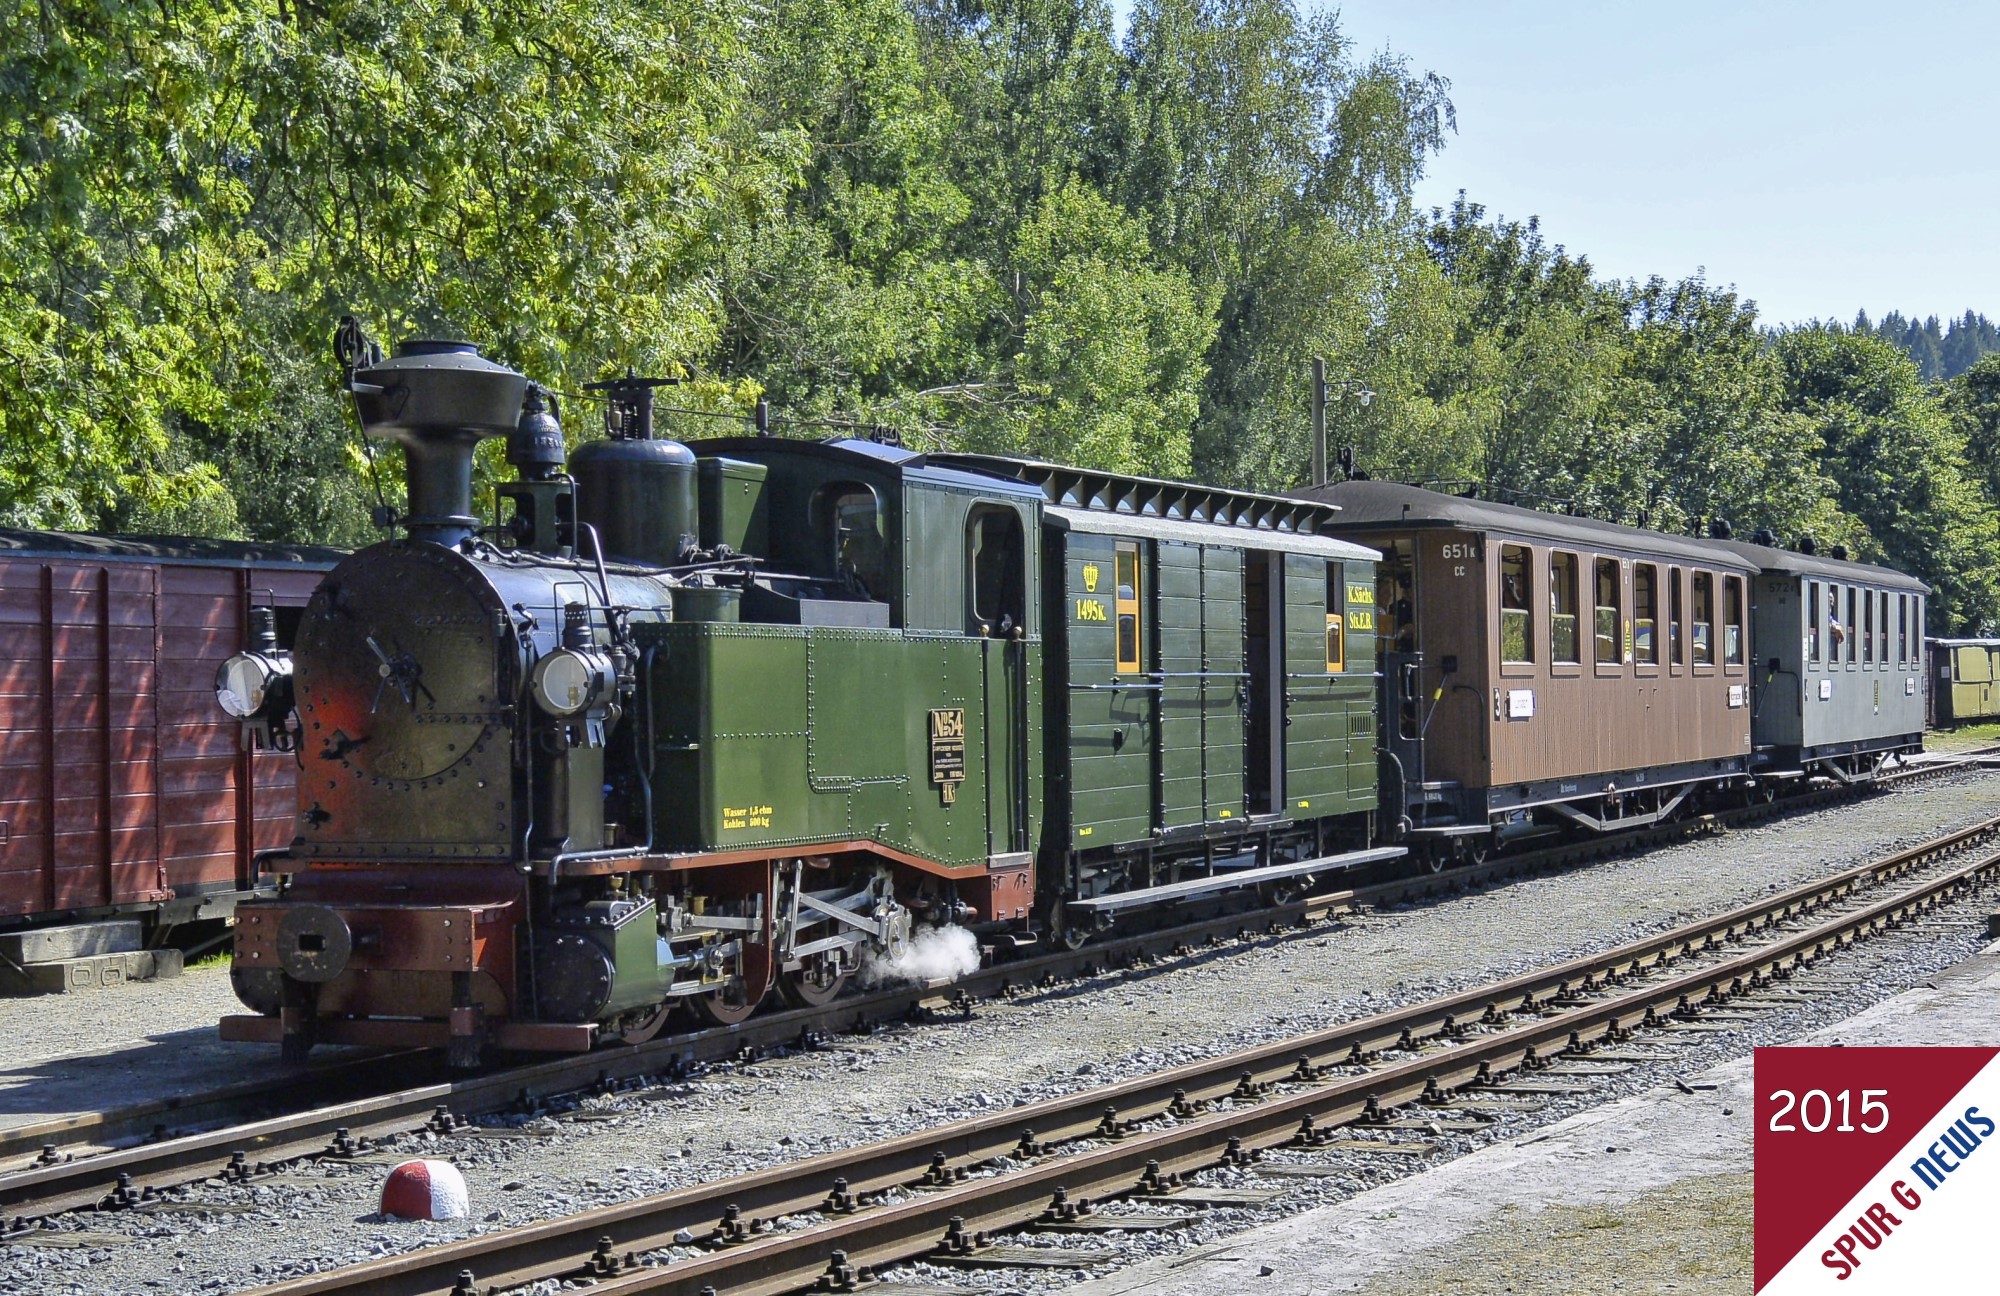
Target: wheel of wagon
point(725, 1007)
point(816, 982)
point(1432, 857)
point(1478, 848)
point(1069, 931)
point(642, 1025)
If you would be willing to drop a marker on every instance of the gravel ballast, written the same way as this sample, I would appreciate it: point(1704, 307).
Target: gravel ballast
point(1035, 1046)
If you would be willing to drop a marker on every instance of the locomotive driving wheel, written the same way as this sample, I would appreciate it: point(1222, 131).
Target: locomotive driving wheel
point(642, 1025)
point(813, 983)
point(727, 1006)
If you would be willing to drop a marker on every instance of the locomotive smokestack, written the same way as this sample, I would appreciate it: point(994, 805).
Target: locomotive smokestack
point(438, 400)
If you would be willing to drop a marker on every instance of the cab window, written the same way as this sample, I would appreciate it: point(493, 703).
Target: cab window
point(1517, 617)
point(853, 521)
point(1126, 566)
point(995, 574)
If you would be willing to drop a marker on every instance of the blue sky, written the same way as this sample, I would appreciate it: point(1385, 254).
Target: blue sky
point(1821, 157)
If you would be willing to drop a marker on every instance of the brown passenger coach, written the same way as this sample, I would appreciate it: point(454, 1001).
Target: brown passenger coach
point(1541, 671)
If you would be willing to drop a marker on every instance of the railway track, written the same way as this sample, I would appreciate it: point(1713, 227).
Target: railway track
point(265, 1128)
point(944, 1193)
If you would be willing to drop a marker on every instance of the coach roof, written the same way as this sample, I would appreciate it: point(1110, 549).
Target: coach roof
point(1840, 569)
point(1373, 505)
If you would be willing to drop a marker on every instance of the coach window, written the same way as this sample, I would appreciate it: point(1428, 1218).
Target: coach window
point(1732, 615)
point(1676, 640)
point(1812, 621)
point(1517, 618)
point(1902, 629)
point(1868, 626)
point(1336, 624)
point(1882, 627)
point(1646, 613)
point(1563, 645)
point(1704, 618)
point(996, 568)
point(1853, 627)
point(1128, 607)
point(1608, 607)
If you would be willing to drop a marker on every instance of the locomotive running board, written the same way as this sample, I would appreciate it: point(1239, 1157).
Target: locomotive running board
point(379, 1032)
point(1231, 881)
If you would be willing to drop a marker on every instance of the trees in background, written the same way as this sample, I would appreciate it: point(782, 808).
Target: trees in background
point(1945, 353)
point(995, 224)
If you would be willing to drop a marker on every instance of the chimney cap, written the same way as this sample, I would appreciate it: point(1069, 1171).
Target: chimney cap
point(438, 385)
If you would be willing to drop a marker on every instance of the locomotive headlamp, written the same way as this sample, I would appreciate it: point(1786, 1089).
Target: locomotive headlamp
point(255, 685)
point(570, 680)
point(252, 683)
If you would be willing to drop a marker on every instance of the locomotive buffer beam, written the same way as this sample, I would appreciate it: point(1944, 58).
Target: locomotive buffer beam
point(1172, 891)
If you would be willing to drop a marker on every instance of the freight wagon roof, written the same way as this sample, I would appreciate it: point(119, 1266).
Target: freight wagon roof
point(1844, 570)
point(157, 548)
point(1121, 494)
point(1373, 505)
point(1153, 528)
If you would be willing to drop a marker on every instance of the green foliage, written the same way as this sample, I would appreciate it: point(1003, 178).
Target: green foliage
point(1112, 347)
point(1897, 462)
point(991, 224)
point(197, 190)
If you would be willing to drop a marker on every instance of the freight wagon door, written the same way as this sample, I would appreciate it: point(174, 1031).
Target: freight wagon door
point(79, 786)
point(1315, 701)
point(1223, 681)
point(1178, 627)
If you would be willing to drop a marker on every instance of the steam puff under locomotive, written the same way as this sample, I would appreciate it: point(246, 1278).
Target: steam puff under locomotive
point(699, 724)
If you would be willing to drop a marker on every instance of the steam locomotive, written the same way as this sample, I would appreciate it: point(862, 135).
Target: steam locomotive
point(684, 726)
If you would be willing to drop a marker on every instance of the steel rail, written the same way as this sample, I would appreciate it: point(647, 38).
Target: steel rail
point(54, 1184)
point(1459, 1040)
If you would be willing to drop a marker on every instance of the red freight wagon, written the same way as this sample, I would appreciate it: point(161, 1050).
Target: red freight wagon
point(123, 786)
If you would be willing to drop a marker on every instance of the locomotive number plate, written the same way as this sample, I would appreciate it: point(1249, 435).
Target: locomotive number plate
point(948, 751)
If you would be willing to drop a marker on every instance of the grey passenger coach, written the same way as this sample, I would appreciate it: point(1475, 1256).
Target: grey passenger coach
point(1839, 670)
